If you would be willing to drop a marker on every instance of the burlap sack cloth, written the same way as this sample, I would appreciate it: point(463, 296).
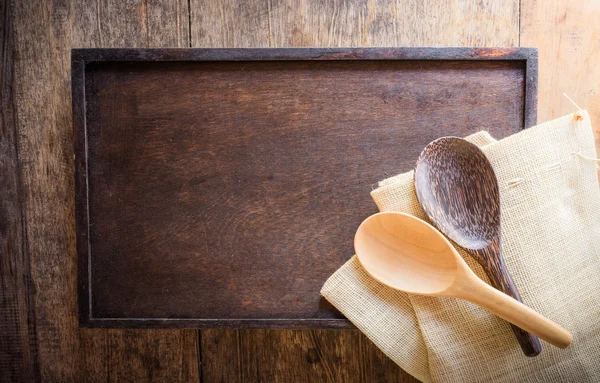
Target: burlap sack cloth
point(551, 244)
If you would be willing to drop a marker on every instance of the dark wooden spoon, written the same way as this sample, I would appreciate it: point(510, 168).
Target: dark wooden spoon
point(458, 190)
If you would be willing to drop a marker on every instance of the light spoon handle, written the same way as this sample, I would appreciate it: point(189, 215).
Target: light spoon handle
point(513, 311)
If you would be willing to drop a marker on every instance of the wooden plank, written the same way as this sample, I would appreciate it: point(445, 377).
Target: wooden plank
point(377, 367)
point(298, 356)
point(45, 32)
point(18, 340)
point(281, 356)
point(220, 355)
point(115, 24)
point(295, 355)
point(139, 356)
point(134, 355)
point(566, 33)
point(301, 23)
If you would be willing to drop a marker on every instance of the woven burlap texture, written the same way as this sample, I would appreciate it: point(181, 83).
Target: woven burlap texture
point(550, 205)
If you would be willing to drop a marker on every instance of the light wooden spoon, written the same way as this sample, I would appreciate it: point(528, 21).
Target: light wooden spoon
point(408, 254)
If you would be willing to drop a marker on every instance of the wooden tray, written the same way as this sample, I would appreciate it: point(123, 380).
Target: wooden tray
point(221, 187)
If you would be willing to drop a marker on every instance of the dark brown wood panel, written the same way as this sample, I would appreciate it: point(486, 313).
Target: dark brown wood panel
point(282, 356)
point(377, 367)
point(139, 356)
point(295, 356)
point(226, 192)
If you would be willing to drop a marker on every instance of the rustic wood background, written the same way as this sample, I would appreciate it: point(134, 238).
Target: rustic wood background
point(39, 336)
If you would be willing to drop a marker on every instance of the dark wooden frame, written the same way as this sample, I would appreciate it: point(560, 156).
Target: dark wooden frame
point(82, 57)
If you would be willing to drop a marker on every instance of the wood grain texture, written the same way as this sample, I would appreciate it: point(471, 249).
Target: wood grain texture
point(139, 356)
point(227, 172)
point(76, 24)
point(282, 356)
point(45, 32)
point(458, 190)
point(18, 338)
point(377, 367)
point(295, 356)
point(301, 23)
point(567, 35)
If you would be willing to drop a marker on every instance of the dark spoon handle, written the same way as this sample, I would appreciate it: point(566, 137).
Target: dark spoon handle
point(493, 265)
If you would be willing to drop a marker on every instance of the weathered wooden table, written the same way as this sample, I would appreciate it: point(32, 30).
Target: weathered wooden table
point(40, 337)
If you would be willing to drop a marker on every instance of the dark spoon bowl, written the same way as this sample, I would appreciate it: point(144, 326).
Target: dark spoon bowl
point(458, 190)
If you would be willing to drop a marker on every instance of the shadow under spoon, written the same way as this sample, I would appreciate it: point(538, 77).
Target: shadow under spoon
point(457, 188)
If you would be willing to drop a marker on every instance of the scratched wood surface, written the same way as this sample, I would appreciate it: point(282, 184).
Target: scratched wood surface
point(567, 34)
point(40, 339)
point(18, 353)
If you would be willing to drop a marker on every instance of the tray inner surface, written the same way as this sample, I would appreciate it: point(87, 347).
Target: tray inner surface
point(232, 190)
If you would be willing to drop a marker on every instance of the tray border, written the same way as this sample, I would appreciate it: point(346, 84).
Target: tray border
point(81, 57)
